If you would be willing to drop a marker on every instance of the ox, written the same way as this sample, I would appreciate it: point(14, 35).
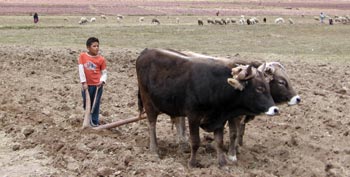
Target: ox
point(280, 87)
point(281, 90)
point(202, 90)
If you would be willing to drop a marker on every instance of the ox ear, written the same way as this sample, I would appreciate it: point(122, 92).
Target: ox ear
point(235, 84)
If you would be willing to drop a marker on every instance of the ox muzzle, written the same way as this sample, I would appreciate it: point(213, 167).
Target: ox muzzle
point(273, 110)
point(295, 100)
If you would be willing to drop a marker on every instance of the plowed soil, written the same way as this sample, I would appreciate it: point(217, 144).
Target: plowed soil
point(41, 117)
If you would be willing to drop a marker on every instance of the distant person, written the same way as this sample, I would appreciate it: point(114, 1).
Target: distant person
point(264, 19)
point(217, 13)
point(93, 75)
point(36, 17)
point(322, 17)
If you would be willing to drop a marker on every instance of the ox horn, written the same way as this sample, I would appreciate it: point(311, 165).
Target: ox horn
point(268, 70)
point(250, 72)
point(262, 67)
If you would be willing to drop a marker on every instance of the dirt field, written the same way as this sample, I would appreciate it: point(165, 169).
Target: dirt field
point(41, 116)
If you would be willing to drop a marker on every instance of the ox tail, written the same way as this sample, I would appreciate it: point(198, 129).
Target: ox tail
point(139, 102)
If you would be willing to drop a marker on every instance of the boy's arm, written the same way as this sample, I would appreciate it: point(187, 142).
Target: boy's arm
point(82, 74)
point(103, 76)
point(103, 72)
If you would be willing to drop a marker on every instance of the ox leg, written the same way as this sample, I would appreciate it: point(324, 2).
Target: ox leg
point(182, 138)
point(234, 126)
point(152, 120)
point(180, 125)
point(153, 146)
point(241, 132)
point(219, 139)
point(195, 142)
point(242, 128)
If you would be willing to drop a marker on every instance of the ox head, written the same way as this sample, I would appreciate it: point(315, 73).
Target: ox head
point(255, 91)
point(280, 85)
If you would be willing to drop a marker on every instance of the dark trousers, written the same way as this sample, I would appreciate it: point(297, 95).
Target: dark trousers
point(96, 111)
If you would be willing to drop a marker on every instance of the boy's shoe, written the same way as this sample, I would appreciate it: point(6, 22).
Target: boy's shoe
point(93, 125)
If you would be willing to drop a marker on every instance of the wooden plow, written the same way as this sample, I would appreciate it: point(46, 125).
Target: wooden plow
point(89, 110)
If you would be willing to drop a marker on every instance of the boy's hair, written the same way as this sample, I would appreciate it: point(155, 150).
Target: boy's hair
point(91, 40)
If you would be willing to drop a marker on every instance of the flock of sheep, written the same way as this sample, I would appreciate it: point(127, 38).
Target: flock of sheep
point(241, 21)
point(84, 20)
point(223, 21)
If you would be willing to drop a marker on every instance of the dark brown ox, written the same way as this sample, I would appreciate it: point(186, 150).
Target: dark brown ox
point(280, 87)
point(204, 90)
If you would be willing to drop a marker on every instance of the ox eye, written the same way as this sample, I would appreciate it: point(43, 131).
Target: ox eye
point(282, 82)
point(260, 89)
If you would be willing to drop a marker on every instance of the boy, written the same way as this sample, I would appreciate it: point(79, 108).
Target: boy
point(93, 75)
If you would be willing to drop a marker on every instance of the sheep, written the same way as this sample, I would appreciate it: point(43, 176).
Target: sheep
point(120, 16)
point(200, 22)
point(93, 19)
point(256, 20)
point(218, 21)
point(141, 19)
point(103, 17)
point(223, 21)
point(248, 22)
point(347, 18)
point(279, 20)
point(228, 20)
point(233, 20)
point(341, 19)
point(316, 18)
point(209, 20)
point(83, 20)
point(155, 21)
point(252, 21)
point(290, 21)
point(242, 20)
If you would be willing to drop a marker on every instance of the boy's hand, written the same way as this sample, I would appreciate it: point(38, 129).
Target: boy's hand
point(84, 86)
point(101, 83)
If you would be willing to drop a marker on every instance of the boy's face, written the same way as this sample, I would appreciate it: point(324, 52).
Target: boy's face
point(93, 48)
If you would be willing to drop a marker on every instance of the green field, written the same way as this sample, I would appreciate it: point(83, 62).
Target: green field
point(306, 39)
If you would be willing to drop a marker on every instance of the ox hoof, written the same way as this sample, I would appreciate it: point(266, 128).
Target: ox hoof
point(185, 148)
point(232, 158)
point(223, 162)
point(194, 165)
